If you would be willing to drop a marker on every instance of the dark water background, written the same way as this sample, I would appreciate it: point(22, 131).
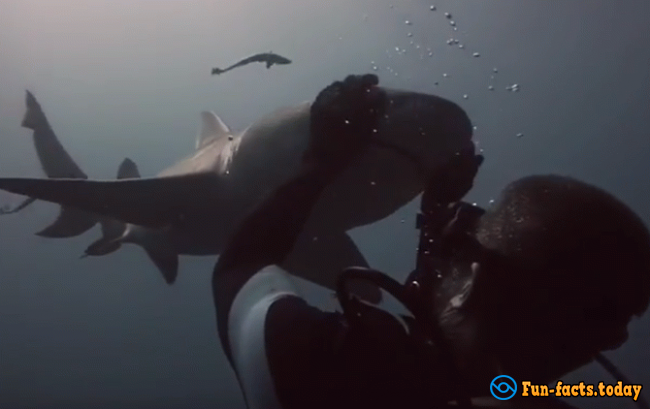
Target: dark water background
point(129, 78)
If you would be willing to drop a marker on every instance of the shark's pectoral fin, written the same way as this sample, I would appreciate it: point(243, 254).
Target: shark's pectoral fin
point(321, 258)
point(167, 263)
point(153, 203)
point(102, 247)
point(70, 223)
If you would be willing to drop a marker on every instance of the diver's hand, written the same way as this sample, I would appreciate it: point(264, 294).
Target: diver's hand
point(344, 117)
point(452, 182)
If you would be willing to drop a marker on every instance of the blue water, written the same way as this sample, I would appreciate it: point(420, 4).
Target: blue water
point(129, 78)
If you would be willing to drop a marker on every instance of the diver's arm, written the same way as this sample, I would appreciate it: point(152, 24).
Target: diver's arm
point(268, 234)
point(243, 293)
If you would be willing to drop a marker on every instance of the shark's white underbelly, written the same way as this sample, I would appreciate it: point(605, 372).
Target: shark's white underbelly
point(418, 134)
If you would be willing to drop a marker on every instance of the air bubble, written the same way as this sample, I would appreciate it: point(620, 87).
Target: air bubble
point(445, 75)
point(374, 68)
point(347, 122)
point(432, 8)
point(408, 22)
point(373, 183)
point(448, 15)
point(491, 88)
point(520, 135)
point(495, 70)
point(452, 23)
point(476, 55)
point(465, 96)
point(461, 46)
point(513, 88)
point(409, 35)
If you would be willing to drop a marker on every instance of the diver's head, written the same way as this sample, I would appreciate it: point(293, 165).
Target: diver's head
point(570, 267)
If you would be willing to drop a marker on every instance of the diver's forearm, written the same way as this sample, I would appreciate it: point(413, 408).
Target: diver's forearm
point(264, 238)
point(268, 234)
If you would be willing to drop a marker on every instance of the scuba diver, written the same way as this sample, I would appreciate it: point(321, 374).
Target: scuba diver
point(533, 289)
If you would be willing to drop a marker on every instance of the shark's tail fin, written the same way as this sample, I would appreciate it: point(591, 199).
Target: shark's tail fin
point(217, 71)
point(112, 230)
point(71, 222)
point(34, 116)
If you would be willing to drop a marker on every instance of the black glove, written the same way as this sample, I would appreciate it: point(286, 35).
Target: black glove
point(452, 182)
point(344, 117)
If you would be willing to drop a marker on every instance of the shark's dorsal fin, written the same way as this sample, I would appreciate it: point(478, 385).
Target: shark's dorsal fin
point(128, 170)
point(212, 128)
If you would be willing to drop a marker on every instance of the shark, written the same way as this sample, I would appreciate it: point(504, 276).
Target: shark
point(269, 58)
point(56, 162)
point(192, 207)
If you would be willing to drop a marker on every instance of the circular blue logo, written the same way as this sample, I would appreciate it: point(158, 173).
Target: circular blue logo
point(503, 387)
